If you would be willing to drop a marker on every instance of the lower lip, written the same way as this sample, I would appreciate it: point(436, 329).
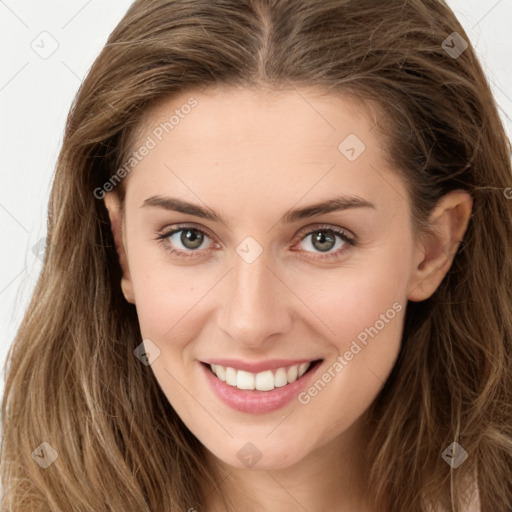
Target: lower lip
point(254, 401)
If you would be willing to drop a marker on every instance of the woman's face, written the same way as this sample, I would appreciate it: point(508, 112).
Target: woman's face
point(261, 232)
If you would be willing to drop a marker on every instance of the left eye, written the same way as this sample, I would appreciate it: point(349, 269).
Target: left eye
point(327, 242)
point(324, 240)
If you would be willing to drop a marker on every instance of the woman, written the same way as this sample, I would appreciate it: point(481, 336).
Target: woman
point(278, 272)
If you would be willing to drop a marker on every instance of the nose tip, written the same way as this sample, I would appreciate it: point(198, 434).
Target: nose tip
point(254, 307)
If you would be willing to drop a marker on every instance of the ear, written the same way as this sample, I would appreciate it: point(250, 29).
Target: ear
point(435, 250)
point(113, 205)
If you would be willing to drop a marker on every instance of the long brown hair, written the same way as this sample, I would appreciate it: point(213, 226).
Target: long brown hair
point(73, 381)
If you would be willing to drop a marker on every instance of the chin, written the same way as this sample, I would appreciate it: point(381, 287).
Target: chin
point(259, 455)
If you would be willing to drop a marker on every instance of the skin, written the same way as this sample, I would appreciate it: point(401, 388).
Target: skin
point(250, 156)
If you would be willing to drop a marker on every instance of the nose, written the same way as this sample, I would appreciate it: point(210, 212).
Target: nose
point(255, 305)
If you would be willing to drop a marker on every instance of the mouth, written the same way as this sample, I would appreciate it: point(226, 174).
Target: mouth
point(265, 380)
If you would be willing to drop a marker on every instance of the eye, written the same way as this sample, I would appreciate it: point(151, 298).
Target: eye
point(188, 241)
point(326, 241)
point(184, 241)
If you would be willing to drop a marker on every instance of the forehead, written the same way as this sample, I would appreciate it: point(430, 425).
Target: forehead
point(247, 143)
point(260, 116)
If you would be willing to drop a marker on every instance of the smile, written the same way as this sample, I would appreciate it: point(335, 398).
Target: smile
point(263, 381)
point(258, 387)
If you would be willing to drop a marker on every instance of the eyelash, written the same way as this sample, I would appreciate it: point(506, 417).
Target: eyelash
point(164, 235)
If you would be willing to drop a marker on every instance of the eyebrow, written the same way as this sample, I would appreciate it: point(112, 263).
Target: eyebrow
point(338, 203)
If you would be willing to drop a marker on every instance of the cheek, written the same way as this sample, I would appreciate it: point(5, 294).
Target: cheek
point(169, 298)
point(365, 308)
point(351, 299)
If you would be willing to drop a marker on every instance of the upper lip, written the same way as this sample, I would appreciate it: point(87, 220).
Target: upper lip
point(257, 366)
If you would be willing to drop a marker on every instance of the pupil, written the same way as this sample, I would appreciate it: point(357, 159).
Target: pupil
point(191, 238)
point(324, 240)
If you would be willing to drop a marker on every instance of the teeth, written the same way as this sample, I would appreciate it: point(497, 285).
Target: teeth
point(280, 378)
point(244, 380)
point(302, 369)
point(220, 371)
point(262, 381)
point(292, 373)
point(231, 376)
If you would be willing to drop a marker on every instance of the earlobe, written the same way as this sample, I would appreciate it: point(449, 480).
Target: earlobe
point(435, 250)
point(113, 205)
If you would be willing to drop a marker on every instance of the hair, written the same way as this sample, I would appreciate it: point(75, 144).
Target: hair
point(71, 377)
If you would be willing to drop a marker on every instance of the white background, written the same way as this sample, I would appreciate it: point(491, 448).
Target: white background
point(36, 93)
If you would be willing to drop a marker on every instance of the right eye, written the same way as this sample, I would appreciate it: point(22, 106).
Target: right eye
point(183, 241)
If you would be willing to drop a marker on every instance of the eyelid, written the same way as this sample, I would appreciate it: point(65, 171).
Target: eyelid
point(173, 228)
point(307, 230)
